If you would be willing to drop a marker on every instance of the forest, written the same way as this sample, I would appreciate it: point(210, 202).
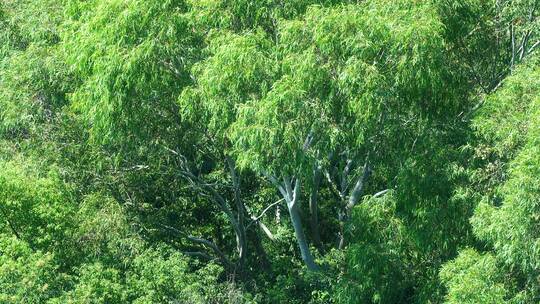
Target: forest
point(270, 151)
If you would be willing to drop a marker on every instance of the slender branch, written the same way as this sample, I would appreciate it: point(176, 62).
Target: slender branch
point(513, 60)
point(212, 246)
point(380, 193)
point(308, 141)
point(210, 192)
point(314, 205)
point(333, 186)
point(345, 177)
point(236, 185)
point(535, 45)
point(524, 42)
point(197, 182)
point(199, 254)
point(354, 197)
point(275, 182)
point(256, 219)
point(288, 189)
point(266, 231)
point(202, 241)
point(240, 210)
point(297, 186)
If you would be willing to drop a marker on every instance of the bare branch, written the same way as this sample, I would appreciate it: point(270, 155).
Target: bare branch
point(524, 42)
point(358, 189)
point(275, 182)
point(212, 246)
point(199, 254)
point(513, 60)
point(535, 45)
point(288, 188)
point(240, 210)
point(171, 150)
point(308, 141)
point(266, 231)
point(345, 177)
point(380, 193)
point(255, 219)
point(333, 186)
point(202, 241)
point(297, 186)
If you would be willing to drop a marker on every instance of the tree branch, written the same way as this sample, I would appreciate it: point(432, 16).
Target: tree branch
point(513, 60)
point(333, 186)
point(345, 177)
point(380, 193)
point(308, 141)
point(266, 231)
point(241, 236)
point(358, 189)
point(524, 44)
point(296, 193)
point(198, 254)
point(204, 242)
point(255, 219)
point(275, 182)
point(535, 45)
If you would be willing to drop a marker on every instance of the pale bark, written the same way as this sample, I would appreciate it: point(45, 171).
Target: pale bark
point(354, 197)
point(314, 208)
point(301, 239)
point(240, 210)
point(292, 198)
point(293, 206)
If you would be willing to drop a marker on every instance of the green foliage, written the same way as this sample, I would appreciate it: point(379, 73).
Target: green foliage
point(27, 276)
point(489, 38)
point(239, 69)
point(507, 217)
point(501, 124)
point(154, 276)
point(339, 81)
point(34, 21)
point(245, 15)
point(131, 68)
point(32, 88)
point(473, 278)
point(378, 260)
point(135, 135)
point(37, 208)
point(32, 76)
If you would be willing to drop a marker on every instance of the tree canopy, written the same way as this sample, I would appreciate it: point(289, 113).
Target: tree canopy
point(265, 151)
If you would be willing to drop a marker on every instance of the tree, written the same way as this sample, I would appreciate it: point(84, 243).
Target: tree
point(506, 220)
point(335, 95)
point(150, 148)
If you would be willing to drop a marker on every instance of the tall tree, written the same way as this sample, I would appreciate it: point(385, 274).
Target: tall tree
point(507, 219)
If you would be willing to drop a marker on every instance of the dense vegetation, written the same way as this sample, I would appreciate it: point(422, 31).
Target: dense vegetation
point(270, 151)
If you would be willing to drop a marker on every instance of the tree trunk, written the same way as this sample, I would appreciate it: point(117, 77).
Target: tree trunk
point(314, 208)
point(293, 196)
point(354, 198)
point(301, 239)
point(240, 210)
